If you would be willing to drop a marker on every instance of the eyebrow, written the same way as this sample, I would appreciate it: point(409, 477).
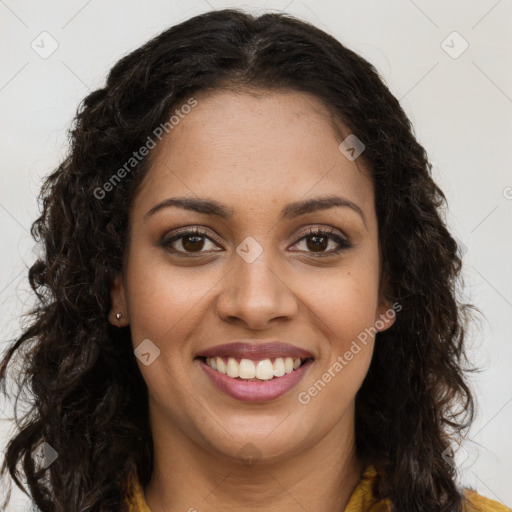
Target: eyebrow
point(290, 211)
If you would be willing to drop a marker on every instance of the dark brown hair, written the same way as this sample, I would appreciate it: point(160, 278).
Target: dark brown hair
point(89, 400)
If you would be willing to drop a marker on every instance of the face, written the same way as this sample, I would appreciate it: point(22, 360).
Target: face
point(264, 271)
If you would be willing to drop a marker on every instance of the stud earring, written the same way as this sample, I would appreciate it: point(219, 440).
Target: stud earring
point(118, 318)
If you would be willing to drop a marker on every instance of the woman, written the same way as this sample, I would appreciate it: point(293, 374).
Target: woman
point(248, 295)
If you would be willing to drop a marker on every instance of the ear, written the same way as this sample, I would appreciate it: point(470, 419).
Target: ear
point(119, 303)
point(386, 312)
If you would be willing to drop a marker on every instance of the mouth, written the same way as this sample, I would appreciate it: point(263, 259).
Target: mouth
point(255, 372)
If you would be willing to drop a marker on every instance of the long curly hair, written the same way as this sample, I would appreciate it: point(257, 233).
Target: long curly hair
point(88, 399)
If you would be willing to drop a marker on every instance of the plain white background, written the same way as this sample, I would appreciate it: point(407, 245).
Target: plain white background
point(459, 100)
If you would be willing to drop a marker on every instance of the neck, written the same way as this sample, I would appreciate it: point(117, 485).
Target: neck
point(321, 477)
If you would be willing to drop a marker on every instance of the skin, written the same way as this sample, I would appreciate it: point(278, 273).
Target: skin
point(254, 153)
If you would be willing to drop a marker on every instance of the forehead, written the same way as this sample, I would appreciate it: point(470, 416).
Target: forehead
point(254, 148)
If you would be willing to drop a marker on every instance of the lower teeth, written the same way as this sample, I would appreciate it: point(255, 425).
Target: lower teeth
point(256, 380)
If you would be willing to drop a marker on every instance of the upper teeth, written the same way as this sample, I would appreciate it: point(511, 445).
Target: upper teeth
point(248, 369)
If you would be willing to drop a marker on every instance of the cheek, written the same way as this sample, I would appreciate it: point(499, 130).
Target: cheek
point(163, 299)
point(346, 302)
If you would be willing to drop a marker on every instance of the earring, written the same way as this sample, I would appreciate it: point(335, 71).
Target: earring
point(118, 317)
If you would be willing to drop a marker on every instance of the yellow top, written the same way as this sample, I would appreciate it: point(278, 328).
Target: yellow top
point(361, 500)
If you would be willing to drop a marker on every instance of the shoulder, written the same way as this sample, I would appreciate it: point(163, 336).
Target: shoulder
point(474, 502)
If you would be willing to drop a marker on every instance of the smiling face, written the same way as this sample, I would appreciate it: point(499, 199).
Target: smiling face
point(253, 271)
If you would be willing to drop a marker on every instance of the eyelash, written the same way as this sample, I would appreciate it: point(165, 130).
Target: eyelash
point(342, 242)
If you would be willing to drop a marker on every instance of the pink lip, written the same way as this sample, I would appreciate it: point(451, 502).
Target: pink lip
point(255, 391)
point(256, 351)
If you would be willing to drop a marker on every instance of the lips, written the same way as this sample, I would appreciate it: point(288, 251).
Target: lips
point(252, 371)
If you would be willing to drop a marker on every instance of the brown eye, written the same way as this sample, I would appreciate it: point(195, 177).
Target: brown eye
point(317, 240)
point(191, 241)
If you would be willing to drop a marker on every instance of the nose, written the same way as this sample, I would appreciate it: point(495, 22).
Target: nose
point(257, 293)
